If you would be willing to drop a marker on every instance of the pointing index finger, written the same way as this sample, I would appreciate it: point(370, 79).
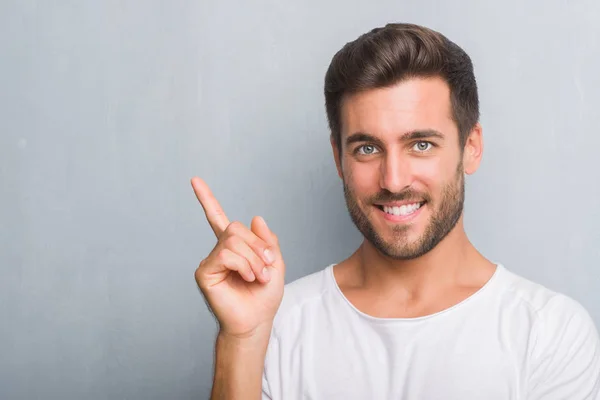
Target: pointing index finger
point(214, 213)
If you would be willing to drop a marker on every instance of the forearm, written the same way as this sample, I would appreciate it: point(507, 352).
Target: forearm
point(239, 366)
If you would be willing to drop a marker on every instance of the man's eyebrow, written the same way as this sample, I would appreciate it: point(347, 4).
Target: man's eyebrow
point(422, 134)
point(362, 137)
point(412, 135)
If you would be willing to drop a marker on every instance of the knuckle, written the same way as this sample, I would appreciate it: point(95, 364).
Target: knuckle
point(243, 264)
point(218, 212)
point(246, 263)
point(222, 256)
point(259, 244)
point(233, 227)
point(231, 242)
point(256, 262)
point(201, 265)
point(198, 275)
point(204, 264)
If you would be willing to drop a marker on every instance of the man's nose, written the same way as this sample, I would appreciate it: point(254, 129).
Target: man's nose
point(395, 174)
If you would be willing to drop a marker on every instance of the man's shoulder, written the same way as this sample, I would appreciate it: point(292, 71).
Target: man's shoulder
point(303, 292)
point(532, 294)
point(544, 303)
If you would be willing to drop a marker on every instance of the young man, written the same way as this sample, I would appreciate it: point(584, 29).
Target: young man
point(416, 312)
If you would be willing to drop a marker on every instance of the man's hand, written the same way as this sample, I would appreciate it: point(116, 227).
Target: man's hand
point(242, 278)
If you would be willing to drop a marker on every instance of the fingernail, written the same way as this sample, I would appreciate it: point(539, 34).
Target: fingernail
point(269, 257)
point(265, 273)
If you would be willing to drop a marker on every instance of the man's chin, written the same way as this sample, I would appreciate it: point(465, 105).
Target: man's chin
point(400, 253)
point(397, 244)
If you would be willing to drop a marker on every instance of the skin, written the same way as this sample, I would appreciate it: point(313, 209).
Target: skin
point(242, 281)
point(398, 272)
point(402, 269)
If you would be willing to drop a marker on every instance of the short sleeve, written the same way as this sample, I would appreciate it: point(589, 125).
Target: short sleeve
point(266, 391)
point(565, 358)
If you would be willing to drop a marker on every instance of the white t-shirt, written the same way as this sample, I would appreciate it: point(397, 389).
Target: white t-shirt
point(512, 339)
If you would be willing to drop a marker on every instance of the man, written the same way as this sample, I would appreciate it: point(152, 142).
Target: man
point(416, 312)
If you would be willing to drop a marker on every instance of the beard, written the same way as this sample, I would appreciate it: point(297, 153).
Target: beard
point(446, 214)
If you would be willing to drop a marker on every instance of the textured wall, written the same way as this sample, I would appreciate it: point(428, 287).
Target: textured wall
point(108, 108)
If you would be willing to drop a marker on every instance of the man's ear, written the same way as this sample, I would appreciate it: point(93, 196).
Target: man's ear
point(473, 151)
point(336, 156)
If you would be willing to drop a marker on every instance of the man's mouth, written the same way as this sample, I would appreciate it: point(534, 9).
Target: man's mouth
point(402, 210)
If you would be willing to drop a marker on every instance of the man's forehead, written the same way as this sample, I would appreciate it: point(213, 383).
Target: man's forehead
point(416, 103)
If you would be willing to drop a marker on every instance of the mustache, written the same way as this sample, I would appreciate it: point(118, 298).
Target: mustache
point(406, 195)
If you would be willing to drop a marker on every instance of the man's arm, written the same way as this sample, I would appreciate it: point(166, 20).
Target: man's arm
point(239, 366)
point(242, 281)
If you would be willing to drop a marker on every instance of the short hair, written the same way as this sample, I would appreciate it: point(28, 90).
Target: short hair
point(388, 55)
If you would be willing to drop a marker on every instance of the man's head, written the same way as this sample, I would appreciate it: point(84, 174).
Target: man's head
point(403, 111)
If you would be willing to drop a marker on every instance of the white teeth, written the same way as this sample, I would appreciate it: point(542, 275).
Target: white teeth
point(402, 210)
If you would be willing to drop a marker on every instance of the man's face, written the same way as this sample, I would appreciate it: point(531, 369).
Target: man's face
point(402, 166)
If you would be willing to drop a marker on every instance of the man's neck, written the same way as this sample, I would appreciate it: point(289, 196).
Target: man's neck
point(453, 263)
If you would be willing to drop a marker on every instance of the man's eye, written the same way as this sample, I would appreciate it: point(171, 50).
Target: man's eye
point(422, 146)
point(366, 149)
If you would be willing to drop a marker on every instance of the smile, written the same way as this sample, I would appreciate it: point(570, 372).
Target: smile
point(402, 210)
point(401, 213)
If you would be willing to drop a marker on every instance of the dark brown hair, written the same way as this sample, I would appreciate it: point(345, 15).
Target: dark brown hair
point(388, 55)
